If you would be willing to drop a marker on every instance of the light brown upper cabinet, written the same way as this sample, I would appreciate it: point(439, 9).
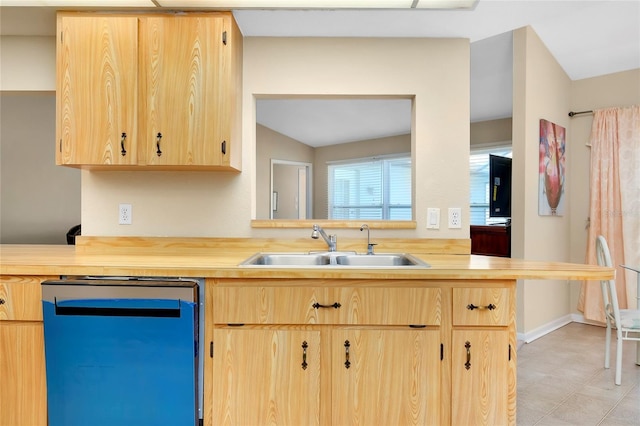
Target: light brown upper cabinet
point(150, 91)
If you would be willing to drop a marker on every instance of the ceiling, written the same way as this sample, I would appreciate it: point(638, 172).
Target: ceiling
point(588, 38)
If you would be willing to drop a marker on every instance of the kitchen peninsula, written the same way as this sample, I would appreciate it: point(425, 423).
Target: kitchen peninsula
point(305, 345)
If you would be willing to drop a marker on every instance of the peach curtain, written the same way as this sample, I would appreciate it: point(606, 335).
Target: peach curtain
point(614, 209)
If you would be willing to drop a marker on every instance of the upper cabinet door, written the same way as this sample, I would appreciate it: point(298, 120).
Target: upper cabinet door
point(97, 84)
point(182, 80)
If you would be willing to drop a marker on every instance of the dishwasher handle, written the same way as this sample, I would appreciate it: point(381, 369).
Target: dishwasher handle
point(152, 308)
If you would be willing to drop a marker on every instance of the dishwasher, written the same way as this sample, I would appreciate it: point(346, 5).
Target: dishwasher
point(123, 351)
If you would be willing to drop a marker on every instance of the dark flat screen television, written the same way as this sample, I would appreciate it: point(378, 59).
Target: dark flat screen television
point(500, 186)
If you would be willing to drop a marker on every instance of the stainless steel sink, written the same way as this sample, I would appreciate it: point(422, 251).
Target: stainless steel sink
point(287, 259)
point(334, 259)
point(380, 260)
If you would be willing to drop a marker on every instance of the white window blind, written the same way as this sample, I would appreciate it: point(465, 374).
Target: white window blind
point(479, 184)
point(370, 188)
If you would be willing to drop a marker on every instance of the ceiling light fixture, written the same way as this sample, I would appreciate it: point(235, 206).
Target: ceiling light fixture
point(253, 4)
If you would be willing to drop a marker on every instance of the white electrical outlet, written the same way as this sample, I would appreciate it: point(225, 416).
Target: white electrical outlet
point(124, 216)
point(455, 217)
point(433, 218)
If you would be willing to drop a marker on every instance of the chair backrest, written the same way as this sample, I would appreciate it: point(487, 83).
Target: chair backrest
point(609, 294)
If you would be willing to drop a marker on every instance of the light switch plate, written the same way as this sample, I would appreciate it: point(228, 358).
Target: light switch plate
point(433, 218)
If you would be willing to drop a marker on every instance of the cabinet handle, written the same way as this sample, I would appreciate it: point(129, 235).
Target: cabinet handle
point(158, 138)
point(467, 364)
point(122, 140)
point(490, 307)
point(347, 345)
point(2, 302)
point(318, 305)
point(304, 354)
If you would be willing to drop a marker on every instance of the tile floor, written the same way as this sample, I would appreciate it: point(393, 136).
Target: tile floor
point(562, 380)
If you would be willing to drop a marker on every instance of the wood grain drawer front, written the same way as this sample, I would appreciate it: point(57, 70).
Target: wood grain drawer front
point(388, 306)
point(20, 298)
point(481, 306)
point(316, 305)
point(267, 305)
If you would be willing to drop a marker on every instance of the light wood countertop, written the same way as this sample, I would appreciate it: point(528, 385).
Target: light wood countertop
point(220, 258)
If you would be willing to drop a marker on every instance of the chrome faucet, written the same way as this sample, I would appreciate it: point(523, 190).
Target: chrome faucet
point(370, 245)
point(331, 240)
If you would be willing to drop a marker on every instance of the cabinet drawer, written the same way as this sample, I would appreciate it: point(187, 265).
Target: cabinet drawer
point(317, 305)
point(20, 298)
point(481, 306)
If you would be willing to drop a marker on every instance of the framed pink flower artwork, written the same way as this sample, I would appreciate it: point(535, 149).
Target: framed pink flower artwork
point(551, 198)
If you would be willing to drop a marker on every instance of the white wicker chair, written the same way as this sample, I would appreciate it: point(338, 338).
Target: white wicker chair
point(625, 321)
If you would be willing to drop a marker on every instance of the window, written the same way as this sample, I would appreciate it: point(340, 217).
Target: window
point(479, 184)
point(370, 188)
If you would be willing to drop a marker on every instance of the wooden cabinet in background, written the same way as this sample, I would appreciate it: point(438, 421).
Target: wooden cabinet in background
point(152, 91)
point(23, 390)
point(491, 240)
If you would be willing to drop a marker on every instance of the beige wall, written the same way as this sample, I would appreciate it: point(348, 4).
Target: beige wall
point(435, 71)
point(613, 90)
point(272, 145)
point(541, 90)
point(27, 63)
point(491, 132)
point(39, 201)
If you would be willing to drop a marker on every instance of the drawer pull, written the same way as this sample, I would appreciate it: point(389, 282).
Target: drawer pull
point(467, 364)
point(158, 139)
point(347, 345)
point(123, 151)
point(2, 302)
point(490, 307)
point(304, 354)
point(318, 305)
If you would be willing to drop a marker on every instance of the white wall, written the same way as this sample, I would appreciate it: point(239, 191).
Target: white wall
point(435, 71)
point(27, 63)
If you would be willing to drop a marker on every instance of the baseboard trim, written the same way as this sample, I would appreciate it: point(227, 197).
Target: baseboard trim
point(536, 333)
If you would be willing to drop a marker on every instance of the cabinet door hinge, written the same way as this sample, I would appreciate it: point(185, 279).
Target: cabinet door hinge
point(224, 38)
point(61, 36)
point(60, 148)
point(211, 349)
point(223, 147)
point(509, 351)
point(441, 351)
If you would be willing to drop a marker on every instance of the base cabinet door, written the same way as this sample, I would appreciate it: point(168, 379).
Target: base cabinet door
point(266, 377)
point(385, 377)
point(480, 376)
point(23, 390)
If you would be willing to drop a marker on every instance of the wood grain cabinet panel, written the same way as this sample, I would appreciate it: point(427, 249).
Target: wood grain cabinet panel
point(149, 91)
point(481, 306)
point(97, 83)
point(266, 377)
point(318, 305)
point(480, 377)
point(23, 390)
point(385, 377)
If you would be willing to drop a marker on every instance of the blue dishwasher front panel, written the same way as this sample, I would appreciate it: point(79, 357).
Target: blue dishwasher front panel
point(121, 362)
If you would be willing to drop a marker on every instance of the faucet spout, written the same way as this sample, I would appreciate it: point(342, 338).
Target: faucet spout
point(370, 245)
point(331, 240)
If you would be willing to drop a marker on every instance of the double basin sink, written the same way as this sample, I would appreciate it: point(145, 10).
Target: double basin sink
point(335, 259)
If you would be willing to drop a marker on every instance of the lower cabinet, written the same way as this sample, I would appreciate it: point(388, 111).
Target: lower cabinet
point(481, 365)
point(371, 377)
point(23, 390)
point(266, 377)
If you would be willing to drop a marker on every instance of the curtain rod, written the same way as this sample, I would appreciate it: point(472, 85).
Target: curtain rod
point(571, 113)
